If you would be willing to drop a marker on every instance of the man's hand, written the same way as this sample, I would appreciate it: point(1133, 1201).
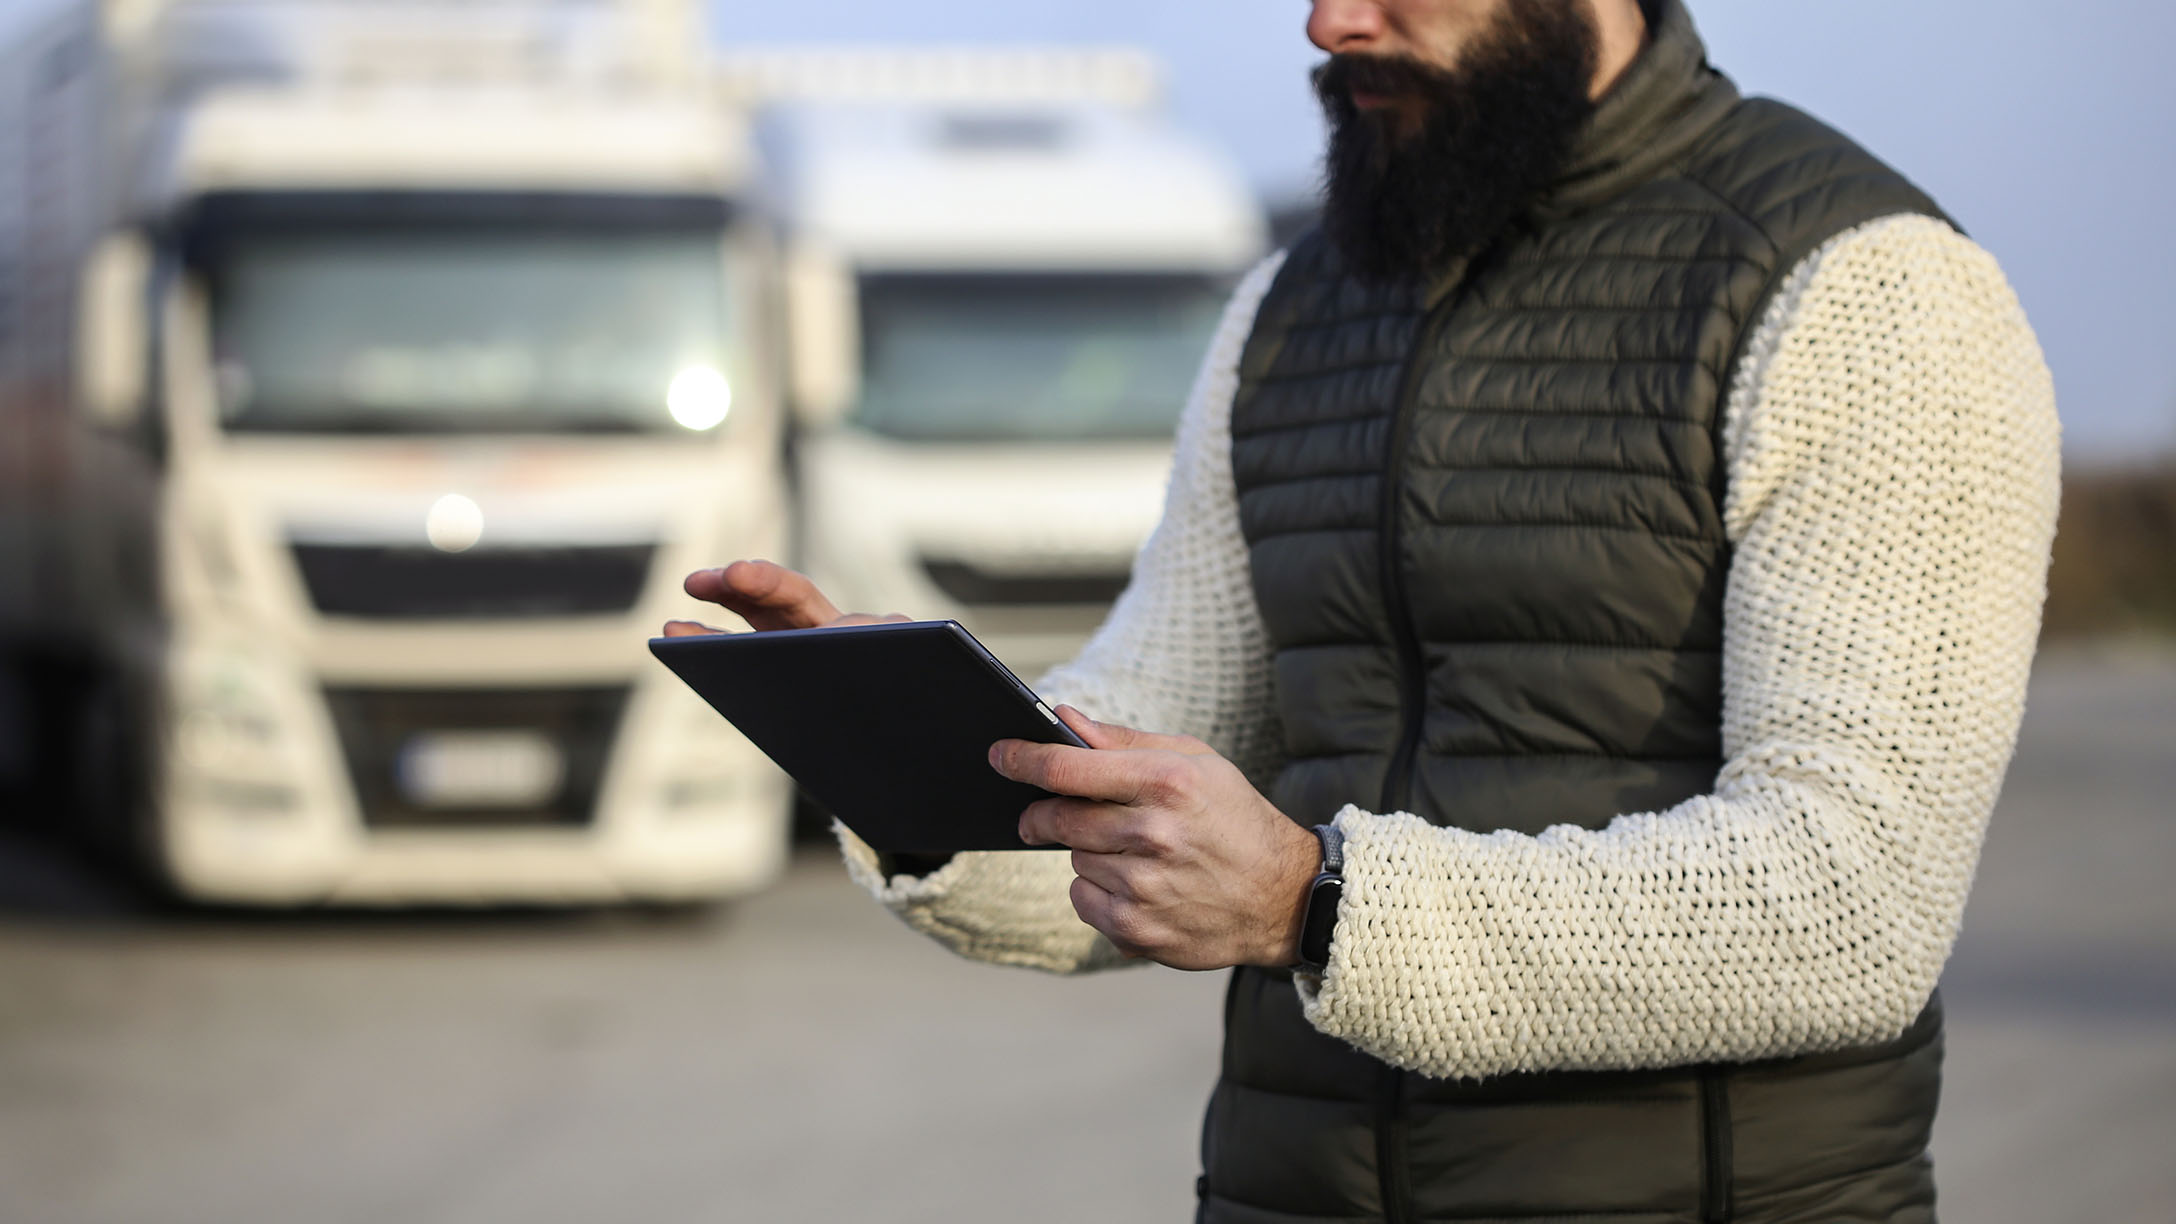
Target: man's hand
point(1180, 860)
point(767, 596)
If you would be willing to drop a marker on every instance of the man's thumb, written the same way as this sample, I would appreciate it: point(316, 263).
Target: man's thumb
point(1111, 736)
point(1093, 733)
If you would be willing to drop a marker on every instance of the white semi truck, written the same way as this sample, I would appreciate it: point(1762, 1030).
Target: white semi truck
point(370, 373)
point(1004, 268)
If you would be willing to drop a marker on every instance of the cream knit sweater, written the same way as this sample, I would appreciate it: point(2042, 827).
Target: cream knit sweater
point(1892, 453)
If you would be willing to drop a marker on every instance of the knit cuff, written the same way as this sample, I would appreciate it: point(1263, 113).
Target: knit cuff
point(865, 867)
point(1007, 907)
point(1399, 887)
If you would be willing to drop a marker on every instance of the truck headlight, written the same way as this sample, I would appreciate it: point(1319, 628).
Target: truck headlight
point(699, 398)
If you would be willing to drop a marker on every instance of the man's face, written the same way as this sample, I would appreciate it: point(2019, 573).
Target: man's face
point(1446, 117)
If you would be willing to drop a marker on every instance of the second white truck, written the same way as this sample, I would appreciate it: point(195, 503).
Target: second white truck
point(1005, 267)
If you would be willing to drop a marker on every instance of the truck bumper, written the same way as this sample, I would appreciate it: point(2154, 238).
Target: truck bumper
point(216, 858)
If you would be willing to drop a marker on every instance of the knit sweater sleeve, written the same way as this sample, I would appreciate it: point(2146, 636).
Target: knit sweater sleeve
point(1184, 651)
point(1892, 450)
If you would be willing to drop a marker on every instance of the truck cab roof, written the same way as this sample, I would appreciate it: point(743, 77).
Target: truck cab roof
point(1053, 185)
point(583, 95)
point(258, 138)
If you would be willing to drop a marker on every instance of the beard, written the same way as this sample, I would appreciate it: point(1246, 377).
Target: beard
point(1494, 133)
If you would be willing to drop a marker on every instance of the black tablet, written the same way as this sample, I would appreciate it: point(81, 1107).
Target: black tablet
point(889, 726)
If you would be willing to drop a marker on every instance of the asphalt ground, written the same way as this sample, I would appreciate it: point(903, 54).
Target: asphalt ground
point(800, 1056)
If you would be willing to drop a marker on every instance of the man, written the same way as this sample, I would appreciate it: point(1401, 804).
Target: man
point(1623, 526)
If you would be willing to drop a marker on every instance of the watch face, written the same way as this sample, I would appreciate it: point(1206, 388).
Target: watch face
point(1321, 920)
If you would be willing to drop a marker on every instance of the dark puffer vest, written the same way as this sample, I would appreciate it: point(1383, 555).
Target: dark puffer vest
point(1485, 528)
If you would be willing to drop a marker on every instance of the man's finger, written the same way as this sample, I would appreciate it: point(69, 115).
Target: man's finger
point(1111, 915)
point(1096, 906)
point(1078, 824)
point(688, 628)
point(1110, 872)
point(1061, 769)
point(767, 595)
point(1110, 736)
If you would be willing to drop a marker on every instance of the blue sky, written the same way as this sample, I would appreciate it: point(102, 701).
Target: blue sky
point(2046, 129)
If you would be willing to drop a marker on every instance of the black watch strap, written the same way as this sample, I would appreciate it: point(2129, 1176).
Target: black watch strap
point(1320, 920)
point(1333, 848)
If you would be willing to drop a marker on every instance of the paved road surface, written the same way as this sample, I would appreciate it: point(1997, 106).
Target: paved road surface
point(800, 1057)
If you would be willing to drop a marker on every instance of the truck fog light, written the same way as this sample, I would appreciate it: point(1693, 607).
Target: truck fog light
point(700, 793)
point(248, 800)
point(699, 398)
point(211, 740)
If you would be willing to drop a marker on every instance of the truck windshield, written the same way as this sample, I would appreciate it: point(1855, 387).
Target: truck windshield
point(412, 330)
point(1031, 358)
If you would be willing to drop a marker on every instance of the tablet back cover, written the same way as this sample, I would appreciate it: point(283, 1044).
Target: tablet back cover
point(888, 726)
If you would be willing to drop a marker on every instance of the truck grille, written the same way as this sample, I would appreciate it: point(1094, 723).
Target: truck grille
point(383, 731)
point(423, 583)
point(974, 586)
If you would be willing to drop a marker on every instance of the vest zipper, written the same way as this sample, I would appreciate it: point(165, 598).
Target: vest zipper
point(1716, 1157)
point(1392, 1170)
point(1390, 1137)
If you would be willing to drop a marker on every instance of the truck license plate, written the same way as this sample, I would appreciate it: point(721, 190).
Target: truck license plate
point(480, 769)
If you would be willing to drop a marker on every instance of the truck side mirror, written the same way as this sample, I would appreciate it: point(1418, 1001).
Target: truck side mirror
point(823, 341)
point(113, 351)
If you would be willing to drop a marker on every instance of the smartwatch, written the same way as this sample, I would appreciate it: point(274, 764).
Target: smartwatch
point(1320, 920)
